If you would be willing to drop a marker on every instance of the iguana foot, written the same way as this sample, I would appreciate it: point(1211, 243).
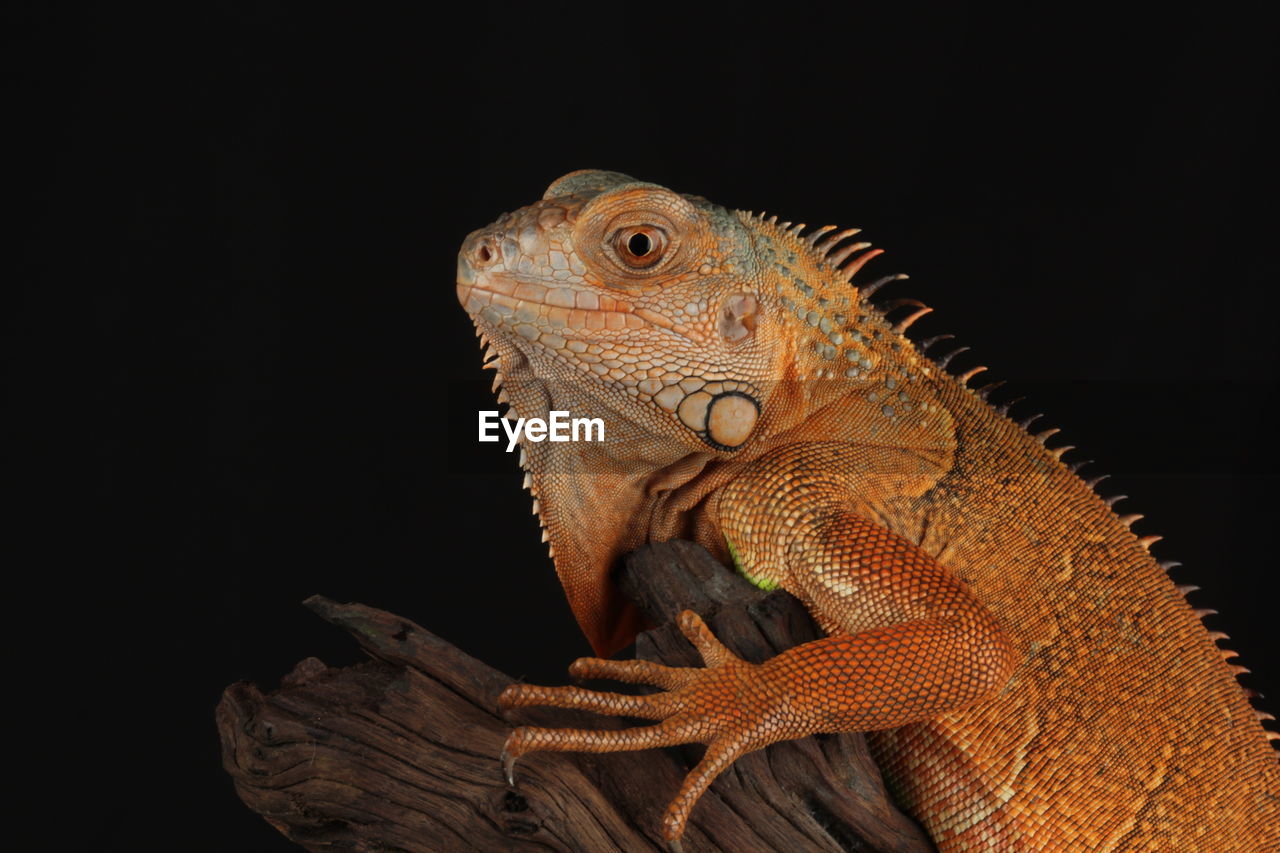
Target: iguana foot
point(732, 706)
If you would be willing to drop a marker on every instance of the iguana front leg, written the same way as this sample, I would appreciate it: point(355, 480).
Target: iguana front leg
point(907, 641)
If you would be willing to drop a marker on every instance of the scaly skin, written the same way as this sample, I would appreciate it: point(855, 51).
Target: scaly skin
point(1030, 677)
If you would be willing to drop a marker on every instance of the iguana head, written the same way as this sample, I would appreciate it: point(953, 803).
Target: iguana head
point(647, 294)
point(683, 325)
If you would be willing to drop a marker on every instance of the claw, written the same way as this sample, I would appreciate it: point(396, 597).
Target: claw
point(509, 767)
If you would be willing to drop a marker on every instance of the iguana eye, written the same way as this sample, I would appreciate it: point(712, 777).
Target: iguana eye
point(640, 246)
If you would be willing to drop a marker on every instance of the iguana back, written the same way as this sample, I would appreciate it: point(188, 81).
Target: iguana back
point(1123, 727)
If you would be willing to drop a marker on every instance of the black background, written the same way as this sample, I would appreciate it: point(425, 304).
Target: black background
point(238, 375)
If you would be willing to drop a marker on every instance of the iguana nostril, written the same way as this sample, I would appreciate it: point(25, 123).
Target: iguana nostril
point(482, 252)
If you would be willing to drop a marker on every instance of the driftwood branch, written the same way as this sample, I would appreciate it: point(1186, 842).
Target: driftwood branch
point(400, 753)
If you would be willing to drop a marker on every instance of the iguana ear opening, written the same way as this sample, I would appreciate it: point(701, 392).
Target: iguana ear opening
point(738, 317)
point(587, 182)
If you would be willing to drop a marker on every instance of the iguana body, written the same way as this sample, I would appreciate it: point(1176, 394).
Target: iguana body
point(1030, 677)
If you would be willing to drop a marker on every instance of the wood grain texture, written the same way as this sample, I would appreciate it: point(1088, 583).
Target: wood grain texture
point(401, 752)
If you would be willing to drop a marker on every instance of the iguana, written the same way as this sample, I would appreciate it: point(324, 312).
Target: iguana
point(1029, 676)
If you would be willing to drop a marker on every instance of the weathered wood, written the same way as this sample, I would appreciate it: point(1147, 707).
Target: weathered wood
point(400, 753)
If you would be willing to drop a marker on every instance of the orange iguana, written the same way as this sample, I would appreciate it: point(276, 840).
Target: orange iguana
point(1029, 676)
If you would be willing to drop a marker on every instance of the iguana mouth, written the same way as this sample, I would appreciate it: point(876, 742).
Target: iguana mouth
point(554, 316)
point(545, 310)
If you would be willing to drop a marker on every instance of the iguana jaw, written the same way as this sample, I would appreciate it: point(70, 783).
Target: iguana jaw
point(713, 404)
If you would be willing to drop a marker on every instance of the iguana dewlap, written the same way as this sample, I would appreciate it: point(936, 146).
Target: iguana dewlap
point(1030, 676)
